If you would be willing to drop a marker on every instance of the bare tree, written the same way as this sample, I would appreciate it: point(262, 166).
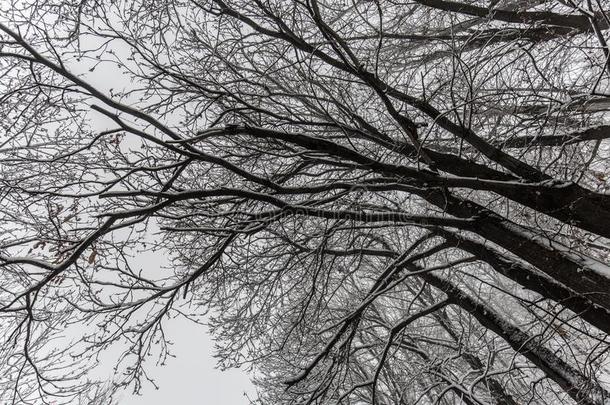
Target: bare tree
point(378, 201)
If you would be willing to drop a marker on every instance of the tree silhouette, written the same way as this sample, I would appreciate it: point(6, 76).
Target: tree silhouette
point(378, 201)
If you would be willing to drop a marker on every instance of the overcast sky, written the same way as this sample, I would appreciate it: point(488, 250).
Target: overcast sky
point(190, 378)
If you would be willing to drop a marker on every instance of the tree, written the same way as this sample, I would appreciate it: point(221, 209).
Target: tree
point(379, 201)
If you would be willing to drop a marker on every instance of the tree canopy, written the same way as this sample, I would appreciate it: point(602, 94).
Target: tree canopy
point(377, 201)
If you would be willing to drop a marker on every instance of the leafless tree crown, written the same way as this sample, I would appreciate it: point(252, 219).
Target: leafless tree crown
point(377, 201)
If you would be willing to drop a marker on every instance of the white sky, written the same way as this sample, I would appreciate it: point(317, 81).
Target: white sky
point(190, 378)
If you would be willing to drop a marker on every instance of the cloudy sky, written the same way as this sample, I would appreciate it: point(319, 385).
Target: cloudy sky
point(190, 378)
